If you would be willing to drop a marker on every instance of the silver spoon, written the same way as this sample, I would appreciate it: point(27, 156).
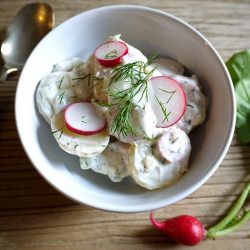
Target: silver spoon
point(29, 26)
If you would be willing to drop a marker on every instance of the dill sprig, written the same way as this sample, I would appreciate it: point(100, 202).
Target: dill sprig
point(189, 105)
point(83, 117)
point(174, 140)
point(137, 75)
point(111, 54)
point(81, 77)
point(59, 130)
point(163, 110)
point(53, 68)
point(169, 92)
point(97, 81)
point(77, 79)
point(61, 97)
point(146, 137)
point(60, 82)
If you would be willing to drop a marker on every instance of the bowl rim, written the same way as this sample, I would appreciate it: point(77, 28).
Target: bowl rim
point(183, 194)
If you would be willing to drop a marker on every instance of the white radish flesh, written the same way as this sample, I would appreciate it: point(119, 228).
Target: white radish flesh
point(168, 101)
point(110, 54)
point(83, 118)
point(75, 144)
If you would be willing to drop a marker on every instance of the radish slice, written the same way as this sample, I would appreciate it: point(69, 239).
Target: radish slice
point(82, 118)
point(168, 102)
point(174, 145)
point(110, 54)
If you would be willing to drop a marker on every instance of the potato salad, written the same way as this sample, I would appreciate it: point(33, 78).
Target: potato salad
point(123, 114)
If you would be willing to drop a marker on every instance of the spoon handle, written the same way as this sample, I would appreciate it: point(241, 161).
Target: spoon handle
point(5, 71)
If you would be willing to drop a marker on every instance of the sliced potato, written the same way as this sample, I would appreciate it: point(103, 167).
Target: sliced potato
point(111, 162)
point(101, 78)
point(168, 67)
point(80, 145)
point(100, 90)
point(73, 65)
point(152, 172)
point(196, 103)
point(68, 82)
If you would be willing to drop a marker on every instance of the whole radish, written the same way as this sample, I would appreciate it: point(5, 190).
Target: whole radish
point(187, 230)
point(184, 229)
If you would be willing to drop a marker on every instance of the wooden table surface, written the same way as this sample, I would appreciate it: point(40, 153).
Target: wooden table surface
point(35, 216)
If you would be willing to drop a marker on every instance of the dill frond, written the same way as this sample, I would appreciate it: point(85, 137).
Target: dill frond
point(138, 75)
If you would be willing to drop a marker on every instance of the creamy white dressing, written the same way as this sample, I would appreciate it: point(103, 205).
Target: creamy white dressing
point(67, 83)
point(150, 171)
point(112, 162)
point(138, 156)
point(196, 103)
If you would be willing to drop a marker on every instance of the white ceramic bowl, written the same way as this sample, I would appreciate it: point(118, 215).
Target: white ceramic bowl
point(151, 31)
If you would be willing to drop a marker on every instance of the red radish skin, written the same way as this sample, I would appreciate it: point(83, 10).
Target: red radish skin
point(184, 229)
point(110, 54)
point(76, 122)
point(175, 103)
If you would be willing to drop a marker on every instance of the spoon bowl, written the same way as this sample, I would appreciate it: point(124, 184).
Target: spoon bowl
point(29, 26)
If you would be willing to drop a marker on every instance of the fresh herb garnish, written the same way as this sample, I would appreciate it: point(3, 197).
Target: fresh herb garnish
point(138, 75)
point(59, 137)
point(146, 137)
point(58, 130)
point(84, 121)
point(163, 110)
point(97, 80)
point(189, 105)
point(239, 68)
point(81, 78)
point(60, 82)
point(174, 140)
point(61, 97)
point(111, 54)
point(53, 68)
point(169, 92)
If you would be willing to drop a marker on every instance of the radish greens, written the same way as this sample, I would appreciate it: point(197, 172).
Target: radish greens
point(239, 68)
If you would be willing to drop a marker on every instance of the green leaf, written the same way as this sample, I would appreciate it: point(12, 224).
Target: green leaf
point(239, 69)
point(243, 101)
point(238, 66)
point(243, 131)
